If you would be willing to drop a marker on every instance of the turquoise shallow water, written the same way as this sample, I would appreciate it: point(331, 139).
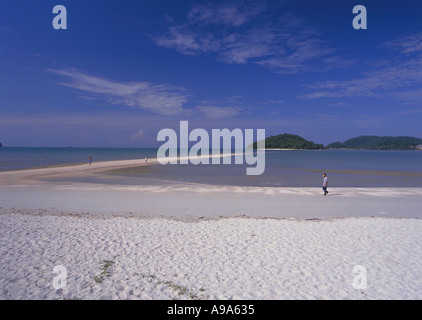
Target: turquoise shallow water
point(296, 168)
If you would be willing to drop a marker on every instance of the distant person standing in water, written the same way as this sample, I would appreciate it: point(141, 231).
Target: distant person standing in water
point(146, 160)
point(325, 184)
point(90, 160)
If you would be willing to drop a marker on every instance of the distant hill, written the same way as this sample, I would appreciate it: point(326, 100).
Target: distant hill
point(1, 145)
point(378, 143)
point(289, 141)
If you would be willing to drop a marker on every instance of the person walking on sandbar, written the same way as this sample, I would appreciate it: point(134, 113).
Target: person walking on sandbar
point(325, 184)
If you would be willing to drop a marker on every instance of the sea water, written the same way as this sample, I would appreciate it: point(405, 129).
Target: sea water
point(23, 158)
point(296, 168)
point(283, 168)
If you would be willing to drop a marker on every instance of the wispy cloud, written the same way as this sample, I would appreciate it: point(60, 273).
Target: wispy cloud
point(161, 99)
point(386, 77)
point(217, 112)
point(228, 13)
point(243, 32)
point(138, 135)
point(303, 51)
point(187, 41)
point(408, 44)
point(5, 33)
point(410, 95)
point(224, 108)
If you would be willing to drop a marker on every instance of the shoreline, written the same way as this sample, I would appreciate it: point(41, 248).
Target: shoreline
point(192, 202)
point(31, 190)
point(391, 173)
point(56, 213)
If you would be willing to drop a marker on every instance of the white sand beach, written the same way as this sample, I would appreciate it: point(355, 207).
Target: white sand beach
point(192, 241)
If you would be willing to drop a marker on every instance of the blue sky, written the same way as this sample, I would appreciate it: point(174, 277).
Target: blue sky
point(123, 70)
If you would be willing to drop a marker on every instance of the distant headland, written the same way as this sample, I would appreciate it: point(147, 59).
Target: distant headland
point(290, 141)
point(379, 143)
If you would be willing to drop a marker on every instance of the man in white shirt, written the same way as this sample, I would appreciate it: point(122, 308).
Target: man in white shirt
point(325, 184)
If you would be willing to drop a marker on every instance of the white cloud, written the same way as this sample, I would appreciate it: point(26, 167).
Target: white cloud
point(244, 32)
point(386, 78)
point(187, 41)
point(303, 50)
point(373, 84)
point(161, 99)
point(254, 44)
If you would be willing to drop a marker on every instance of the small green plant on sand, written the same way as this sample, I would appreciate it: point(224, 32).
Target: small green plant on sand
point(181, 290)
point(105, 267)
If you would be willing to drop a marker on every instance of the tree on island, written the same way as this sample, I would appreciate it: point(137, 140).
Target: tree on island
point(1, 145)
point(378, 143)
point(289, 141)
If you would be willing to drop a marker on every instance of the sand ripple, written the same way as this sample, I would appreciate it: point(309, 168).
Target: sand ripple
point(235, 258)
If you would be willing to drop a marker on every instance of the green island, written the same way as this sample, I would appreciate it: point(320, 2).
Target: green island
point(290, 141)
point(379, 143)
